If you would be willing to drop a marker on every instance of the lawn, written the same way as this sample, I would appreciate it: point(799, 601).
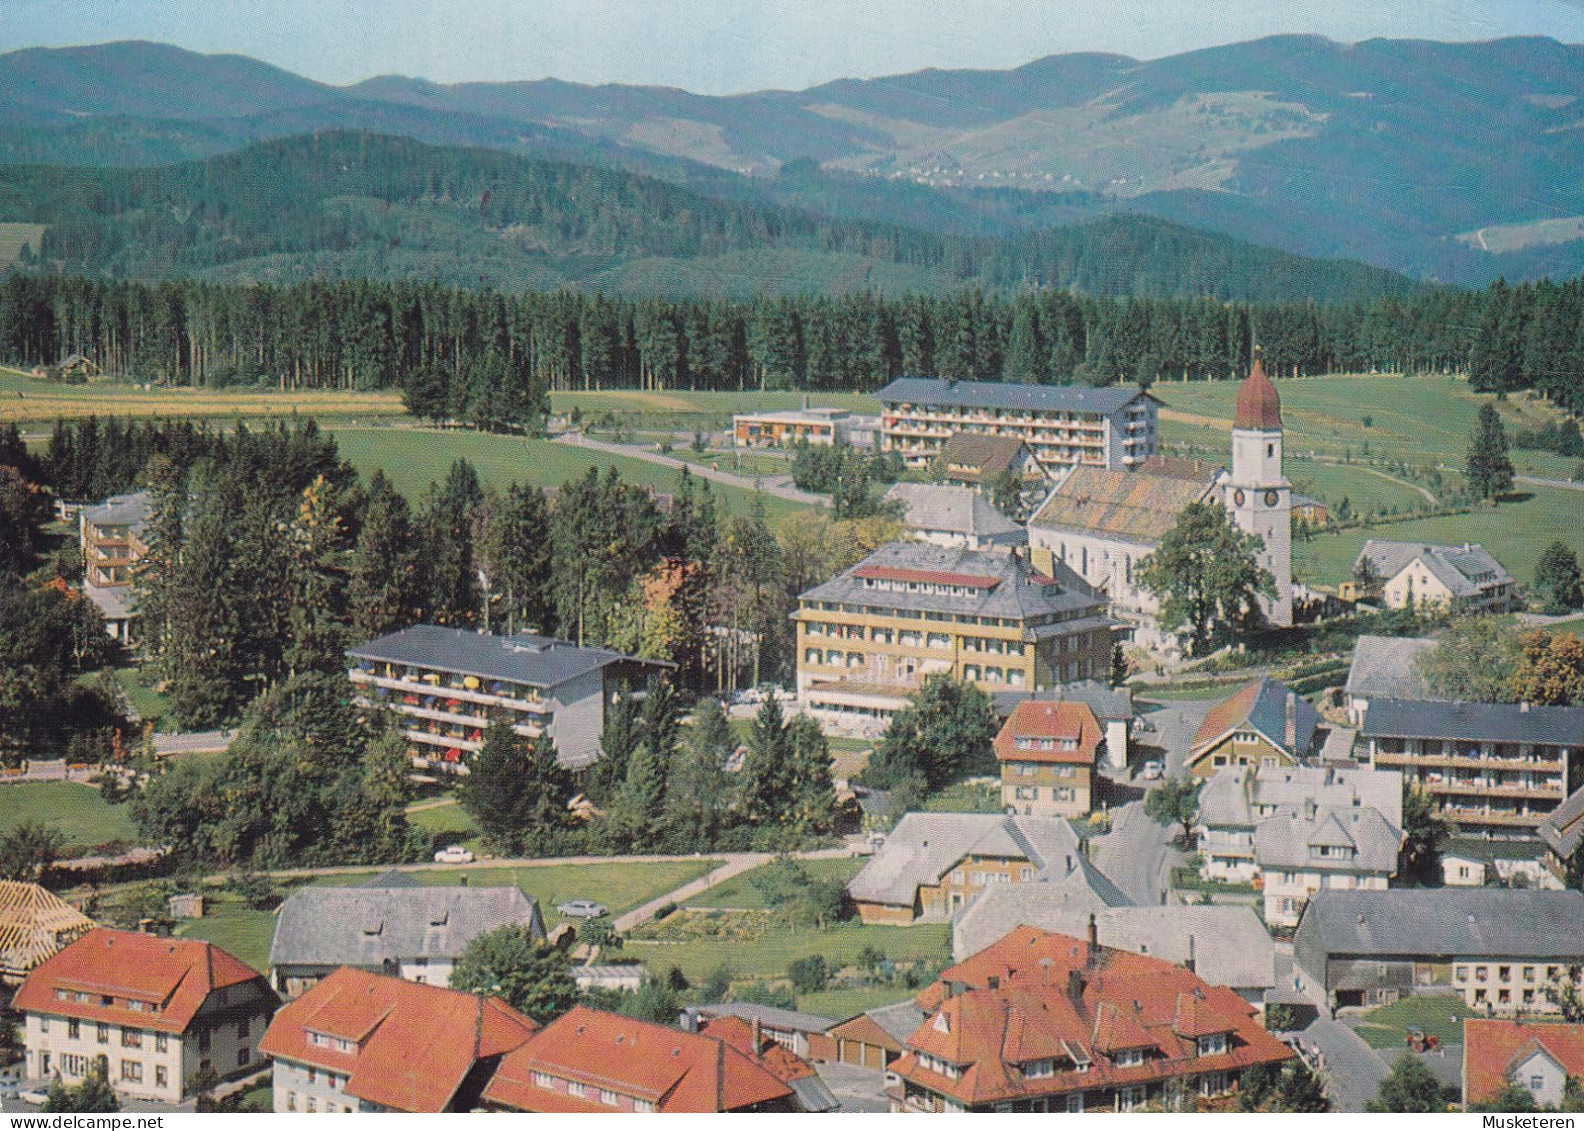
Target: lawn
point(233, 927)
point(620, 885)
point(413, 458)
point(28, 399)
point(1441, 1014)
point(451, 824)
point(76, 810)
point(1365, 489)
point(967, 797)
point(769, 955)
point(740, 892)
point(151, 706)
point(844, 1003)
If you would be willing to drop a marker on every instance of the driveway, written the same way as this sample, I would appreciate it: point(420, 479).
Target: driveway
point(858, 1089)
point(1175, 725)
point(1352, 1071)
point(1136, 855)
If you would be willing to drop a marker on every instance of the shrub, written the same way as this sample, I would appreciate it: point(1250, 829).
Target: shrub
point(809, 975)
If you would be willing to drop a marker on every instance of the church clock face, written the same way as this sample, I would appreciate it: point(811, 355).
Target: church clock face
point(1238, 498)
point(1272, 498)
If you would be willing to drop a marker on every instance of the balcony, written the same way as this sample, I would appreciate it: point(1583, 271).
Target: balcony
point(421, 687)
point(1388, 759)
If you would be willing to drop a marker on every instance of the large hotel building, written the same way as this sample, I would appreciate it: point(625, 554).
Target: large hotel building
point(869, 637)
point(1065, 426)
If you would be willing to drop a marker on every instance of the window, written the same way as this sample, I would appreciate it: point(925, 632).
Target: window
point(607, 1097)
point(104, 1033)
point(1481, 973)
point(576, 1089)
point(1213, 1045)
point(1460, 974)
point(71, 1064)
point(1536, 1083)
point(313, 1104)
point(1039, 1069)
point(161, 1076)
point(73, 1027)
point(543, 1080)
point(1212, 1083)
point(1129, 1058)
point(132, 1071)
point(131, 1038)
point(244, 1054)
point(242, 1028)
point(1075, 1103)
point(643, 1106)
point(291, 1101)
point(1131, 1098)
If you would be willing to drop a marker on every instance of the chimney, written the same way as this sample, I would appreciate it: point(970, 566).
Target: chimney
point(1094, 932)
point(1191, 965)
point(1292, 719)
point(757, 1039)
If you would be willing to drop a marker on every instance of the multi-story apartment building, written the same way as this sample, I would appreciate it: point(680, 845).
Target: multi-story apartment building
point(1493, 769)
point(1044, 1022)
point(1047, 751)
point(110, 535)
point(1496, 948)
point(158, 1012)
point(359, 1042)
point(869, 637)
point(450, 684)
point(1065, 426)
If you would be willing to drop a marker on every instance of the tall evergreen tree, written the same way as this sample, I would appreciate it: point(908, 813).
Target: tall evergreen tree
point(384, 589)
point(1489, 469)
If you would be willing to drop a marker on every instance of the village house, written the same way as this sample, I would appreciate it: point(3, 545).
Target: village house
point(804, 1034)
point(159, 1013)
point(1064, 426)
point(979, 461)
point(1417, 575)
point(1236, 801)
point(34, 924)
point(934, 864)
point(876, 1037)
point(591, 1061)
point(1305, 849)
point(954, 516)
point(1047, 752)
point(392, 925)
point(1043, 1022)
point(1473, 861)
point(869, 637)
point(1112, 708)
point(449, 684)
point(1497, 948)
point(749, 1038)
point(110, 537)
point(1263, 723)
point(1561, 832)
point(1537, 1056)
point(361, 1042)
point(1385, 667)
point(1493, 769)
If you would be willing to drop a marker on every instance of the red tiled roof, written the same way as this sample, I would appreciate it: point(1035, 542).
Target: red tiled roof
point(1258, 404)
point(927, 576)
point(1037, 996)
point(1067, 720)
point(1492, 1049)
point(416, 1043)
point(675, 1071)
point(176, 976)
point(782, 1063)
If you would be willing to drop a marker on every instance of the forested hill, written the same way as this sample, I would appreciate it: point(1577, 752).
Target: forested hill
point(360, 205)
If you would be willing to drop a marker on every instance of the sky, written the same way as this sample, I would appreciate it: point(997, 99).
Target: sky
point(728, 46)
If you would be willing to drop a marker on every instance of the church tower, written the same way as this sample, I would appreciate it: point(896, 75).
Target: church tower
point(1257, 494)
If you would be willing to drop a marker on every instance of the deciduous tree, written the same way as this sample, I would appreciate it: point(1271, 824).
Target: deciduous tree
point(1207, 577)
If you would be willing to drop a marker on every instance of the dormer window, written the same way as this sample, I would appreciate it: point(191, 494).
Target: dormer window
point(1039, 1069)
point(1213, 1045)
point(1129, 1058)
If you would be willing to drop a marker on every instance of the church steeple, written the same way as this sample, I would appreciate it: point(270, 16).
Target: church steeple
point(1258, 402)
point(1257, 493)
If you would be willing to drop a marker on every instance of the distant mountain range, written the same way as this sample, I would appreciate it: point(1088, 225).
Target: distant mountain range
point(1449, 162)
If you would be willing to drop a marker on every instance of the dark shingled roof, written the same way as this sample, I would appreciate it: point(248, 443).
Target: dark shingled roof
point(988, 455)
point(1474, 722)
point(538, 661)
point(996, 394)
point(1472, 922)
point(1563, 827)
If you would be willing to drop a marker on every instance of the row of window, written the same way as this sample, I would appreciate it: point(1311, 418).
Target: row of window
point(581, 1091)
point(1032, 793)
point(311, 1105)
point(107, 1001)
point(1531, 974)
point(946, 618)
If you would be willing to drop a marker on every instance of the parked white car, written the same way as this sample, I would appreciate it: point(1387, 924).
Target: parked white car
point(453, 854)
point(1153, 770)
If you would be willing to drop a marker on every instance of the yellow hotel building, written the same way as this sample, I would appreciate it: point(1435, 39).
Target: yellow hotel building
point(869, 637)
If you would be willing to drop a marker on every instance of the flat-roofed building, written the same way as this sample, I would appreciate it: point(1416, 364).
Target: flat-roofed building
point(820, 427)
point(1064, 426)
point(1493, 769)
point(869, 637)
point(450, 684)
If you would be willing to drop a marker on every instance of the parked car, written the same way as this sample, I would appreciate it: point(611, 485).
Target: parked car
point(453, 854)
point(1153, 770)
point(581, 909)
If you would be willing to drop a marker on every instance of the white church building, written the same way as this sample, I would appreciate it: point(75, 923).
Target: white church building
point(1103, 523)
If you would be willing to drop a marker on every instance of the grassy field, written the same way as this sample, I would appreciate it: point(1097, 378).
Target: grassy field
point(739, 891)
point(26, 399)
point(620, 885)
point(14, 237)
point(1443, 1015)
point(449, 823)
point(76, 810)
point(966, 797)
point(150, 705)
point(412, 458)
point(1365, 489)
point(234, 927)
point(844, 1003)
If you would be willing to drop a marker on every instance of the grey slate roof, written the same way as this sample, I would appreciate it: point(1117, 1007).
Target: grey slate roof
point(1474, 722)
point(924, 846)
point(1563, 827)
point(1387, 667)
point(365, 926)
point(1108, 704)
point(1241, 796)
point(1463, 922)
point(115, 602)
point(996, 394)
point(1284, 841)
point(121, 510)
point(769, 1015)
point(524, 658)
point(1464, 569)
point(1230, 945)
point(899, 1021)
point(1020, 594)
point(957, 510)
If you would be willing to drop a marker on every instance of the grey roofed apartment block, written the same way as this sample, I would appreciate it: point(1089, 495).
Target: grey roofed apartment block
point(1387, 667)
point(1464, 569)
point(924, 846)
point(130, 510)
point(954, 510)
point(1020, 592)
point(1446, 922)
point(1474, 722)
point(1229, 944)
point(369, 926)
point(524, 658)
point(997, 394)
